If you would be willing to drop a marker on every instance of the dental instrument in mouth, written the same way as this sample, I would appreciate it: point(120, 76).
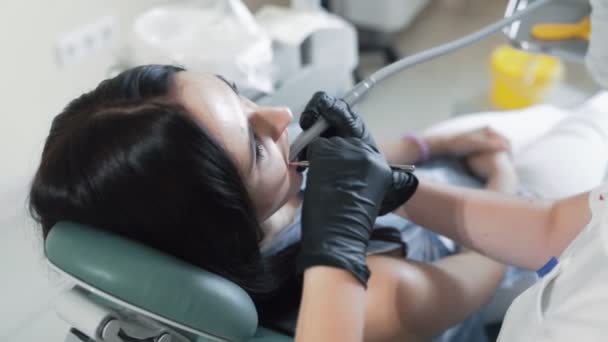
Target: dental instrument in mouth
point(363, 87)
point(403, 167)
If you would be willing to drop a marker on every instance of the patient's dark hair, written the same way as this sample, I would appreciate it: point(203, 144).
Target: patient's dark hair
point(128, 159)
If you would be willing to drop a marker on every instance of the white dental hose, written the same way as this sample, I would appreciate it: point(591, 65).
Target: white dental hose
point(359, 90)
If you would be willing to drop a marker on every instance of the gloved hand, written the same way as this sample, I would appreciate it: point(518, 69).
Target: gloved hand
point(343, 121)
point(346, 183)
point(346, 123)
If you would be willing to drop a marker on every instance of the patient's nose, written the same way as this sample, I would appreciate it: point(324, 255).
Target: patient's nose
point(274, 120)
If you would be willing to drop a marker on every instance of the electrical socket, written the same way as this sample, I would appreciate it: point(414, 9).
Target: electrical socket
point(73, 46)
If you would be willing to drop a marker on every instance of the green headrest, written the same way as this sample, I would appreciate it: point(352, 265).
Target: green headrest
point(153, 281)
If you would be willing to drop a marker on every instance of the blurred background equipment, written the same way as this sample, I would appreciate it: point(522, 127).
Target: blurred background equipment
point(379, 22)
point(521, 79)
point(559, 11)
point(217, 36)
point(313, 49)
point(563, 31)
point(278, 56)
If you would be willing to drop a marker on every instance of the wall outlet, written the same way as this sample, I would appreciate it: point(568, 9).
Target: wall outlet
point(73, 46)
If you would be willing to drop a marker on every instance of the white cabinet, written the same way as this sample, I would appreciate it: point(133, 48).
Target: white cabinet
point(386, 16)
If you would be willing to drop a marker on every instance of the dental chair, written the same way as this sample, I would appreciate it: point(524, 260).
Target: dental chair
point(127, 292)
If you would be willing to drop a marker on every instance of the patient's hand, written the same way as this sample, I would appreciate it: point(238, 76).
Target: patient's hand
point(463, 144)
point(485, 139)
point(487, 164)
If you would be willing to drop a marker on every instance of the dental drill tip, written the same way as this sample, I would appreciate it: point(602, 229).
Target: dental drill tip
point(300, 163)
point(403, 167)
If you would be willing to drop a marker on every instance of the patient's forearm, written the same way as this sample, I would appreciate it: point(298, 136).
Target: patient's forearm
point(512, 230)
point(406, 151)
point(490, 223)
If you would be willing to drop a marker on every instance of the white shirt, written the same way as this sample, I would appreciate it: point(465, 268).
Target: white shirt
point(570, 303)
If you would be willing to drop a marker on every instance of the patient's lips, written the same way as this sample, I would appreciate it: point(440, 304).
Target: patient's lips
point(299, 166)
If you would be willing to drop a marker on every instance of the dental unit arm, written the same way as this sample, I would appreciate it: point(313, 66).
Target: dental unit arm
point(358, 92)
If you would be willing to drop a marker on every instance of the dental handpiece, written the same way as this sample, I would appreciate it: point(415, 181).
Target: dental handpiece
point(402, 167)
point(358, 91)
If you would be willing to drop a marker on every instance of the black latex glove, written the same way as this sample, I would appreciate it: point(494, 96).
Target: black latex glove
point(346, 183)
point(345, 123)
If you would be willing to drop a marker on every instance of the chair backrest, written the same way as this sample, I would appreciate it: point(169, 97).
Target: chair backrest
point(153, 281)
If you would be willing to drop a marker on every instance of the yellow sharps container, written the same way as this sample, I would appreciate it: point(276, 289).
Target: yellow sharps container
point(521, 79)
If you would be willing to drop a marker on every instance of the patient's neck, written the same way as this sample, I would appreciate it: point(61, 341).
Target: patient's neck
point(281, 218)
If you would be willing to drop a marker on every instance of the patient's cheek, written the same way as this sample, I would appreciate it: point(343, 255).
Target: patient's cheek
point(273, 191)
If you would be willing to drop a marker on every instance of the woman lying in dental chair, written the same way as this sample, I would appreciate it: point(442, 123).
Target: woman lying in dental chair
point(180, 162)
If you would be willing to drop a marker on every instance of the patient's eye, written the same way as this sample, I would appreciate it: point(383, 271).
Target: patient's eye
point(260, 151)
point(234, 87)
point(229, 83)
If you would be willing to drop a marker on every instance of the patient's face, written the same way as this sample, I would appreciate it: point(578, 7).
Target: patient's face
point(254, 136)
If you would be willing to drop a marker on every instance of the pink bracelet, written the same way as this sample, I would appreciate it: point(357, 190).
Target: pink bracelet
point(423, 147)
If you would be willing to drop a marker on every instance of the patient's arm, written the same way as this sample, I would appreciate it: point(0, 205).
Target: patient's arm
point(513, 230)
point(414, 301)
point(496, 168)
point(332, 309)
point(406, 151)
point(430, 298)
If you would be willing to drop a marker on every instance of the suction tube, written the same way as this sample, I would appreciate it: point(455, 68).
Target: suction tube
point(358, 91)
